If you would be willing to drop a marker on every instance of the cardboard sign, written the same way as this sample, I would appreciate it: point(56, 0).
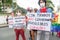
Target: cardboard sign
point(40, 21)
point(16, 21)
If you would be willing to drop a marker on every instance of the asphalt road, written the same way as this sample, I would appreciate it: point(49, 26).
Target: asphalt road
point(8, 34)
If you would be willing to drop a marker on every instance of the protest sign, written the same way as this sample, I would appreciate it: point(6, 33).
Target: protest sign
point(40, 21)
point(16, 21)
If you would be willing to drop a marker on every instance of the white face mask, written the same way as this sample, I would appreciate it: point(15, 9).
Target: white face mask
point(42, 4)
point(18, 14)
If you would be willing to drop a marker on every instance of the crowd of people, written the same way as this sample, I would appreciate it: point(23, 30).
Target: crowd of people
point(33, 33)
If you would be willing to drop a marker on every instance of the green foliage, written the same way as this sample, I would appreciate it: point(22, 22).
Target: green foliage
point(50, 3)
point(24, 11)
point(7, 1)
point(0, 9)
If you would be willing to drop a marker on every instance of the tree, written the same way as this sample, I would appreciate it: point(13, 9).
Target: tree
point(24, 11)
point(49, 4)
point(0, 6)
point(14, 6)
point(7, 2)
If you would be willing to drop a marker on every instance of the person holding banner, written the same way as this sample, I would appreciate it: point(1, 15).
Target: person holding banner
point(30, 10)
point(33, 33)
point(19, 30)
point(43, 9)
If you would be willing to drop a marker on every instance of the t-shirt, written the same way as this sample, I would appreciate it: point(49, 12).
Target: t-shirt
point(49, 10)
point(43, 10)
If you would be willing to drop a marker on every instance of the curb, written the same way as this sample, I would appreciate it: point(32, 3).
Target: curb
point(3, 26)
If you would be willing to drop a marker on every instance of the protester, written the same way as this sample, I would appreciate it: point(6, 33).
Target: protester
point(58, 34)
point(29, 10)
point(43, 9)
point(35, 10)
point(58, 13)
point(49, 10)
point(7, 19)
point(10, 16)
point(34, 32)
point(19, 30)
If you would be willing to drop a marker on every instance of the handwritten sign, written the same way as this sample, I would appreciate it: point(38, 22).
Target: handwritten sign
point(16, 21)
point(40, 21)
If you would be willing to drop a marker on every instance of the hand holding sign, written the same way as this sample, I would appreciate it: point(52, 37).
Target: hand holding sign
point(17, 22)
point(40, 22)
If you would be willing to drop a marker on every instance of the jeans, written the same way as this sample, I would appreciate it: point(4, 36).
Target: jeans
point(44, 33)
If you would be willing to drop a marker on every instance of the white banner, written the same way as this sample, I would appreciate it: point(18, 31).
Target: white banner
point(16, 21)
point(40, 21)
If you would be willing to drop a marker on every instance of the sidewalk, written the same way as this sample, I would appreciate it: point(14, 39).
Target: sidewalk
point(3, 25)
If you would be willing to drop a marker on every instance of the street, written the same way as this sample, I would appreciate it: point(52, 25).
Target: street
point(8, 34)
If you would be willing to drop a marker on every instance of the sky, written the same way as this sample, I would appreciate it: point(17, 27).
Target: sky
point(34, 3)
point(28, 3)
point(56, 3)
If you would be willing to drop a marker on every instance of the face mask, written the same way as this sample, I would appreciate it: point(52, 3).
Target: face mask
point(42, 4)
point(18, 14)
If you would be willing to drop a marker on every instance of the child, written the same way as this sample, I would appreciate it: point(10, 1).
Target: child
point(29, 10)
point(19, 30)
point(32, 32)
